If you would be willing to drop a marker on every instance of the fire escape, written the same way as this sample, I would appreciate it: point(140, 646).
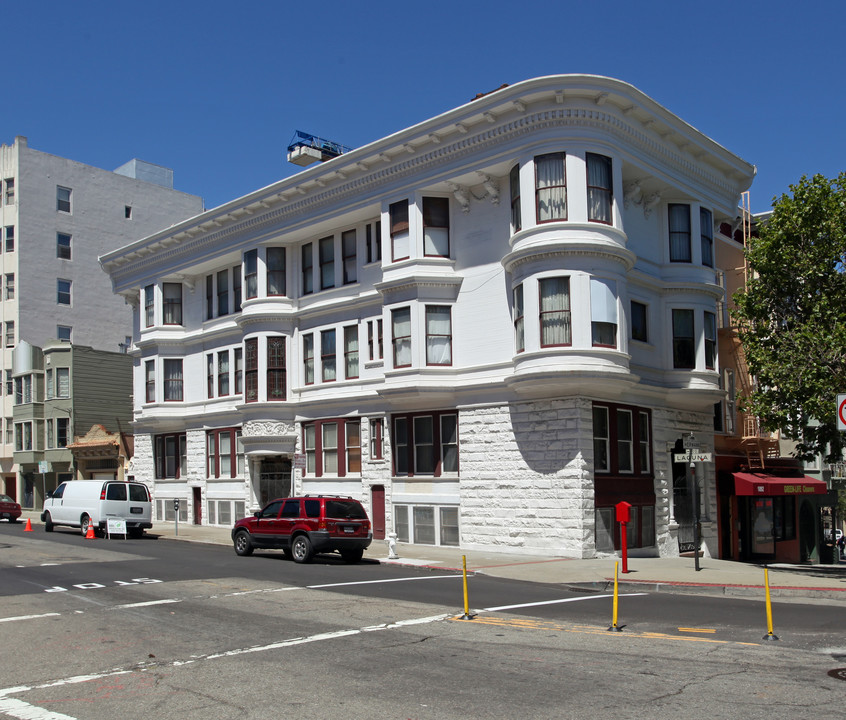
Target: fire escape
point(757, 444)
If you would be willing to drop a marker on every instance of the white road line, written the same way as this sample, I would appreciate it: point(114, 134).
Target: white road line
point(24, 711)
point(147, 604)
point(29, 617)
point(554, 602)
point(376, 582)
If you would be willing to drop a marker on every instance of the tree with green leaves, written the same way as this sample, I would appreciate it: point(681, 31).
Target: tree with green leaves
point(791, 316)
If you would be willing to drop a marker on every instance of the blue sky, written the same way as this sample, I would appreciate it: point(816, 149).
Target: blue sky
point(215, 90)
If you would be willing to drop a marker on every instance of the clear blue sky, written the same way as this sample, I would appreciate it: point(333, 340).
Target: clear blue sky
point(215, 90)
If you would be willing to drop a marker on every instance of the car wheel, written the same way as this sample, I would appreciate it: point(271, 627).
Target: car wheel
point(48, 523)
point(301, 549)
point(243, 545)
point(352, 556)
point(84, 525)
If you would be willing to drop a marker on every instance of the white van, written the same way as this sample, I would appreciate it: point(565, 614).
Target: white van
point(80, 503)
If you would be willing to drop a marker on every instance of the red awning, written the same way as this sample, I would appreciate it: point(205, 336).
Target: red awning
point(760, 484)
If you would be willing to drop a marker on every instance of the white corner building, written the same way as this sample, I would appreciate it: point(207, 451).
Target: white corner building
point(57, 216)
point(491, 327)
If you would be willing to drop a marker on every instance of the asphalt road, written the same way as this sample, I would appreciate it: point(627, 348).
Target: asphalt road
point(100, 629)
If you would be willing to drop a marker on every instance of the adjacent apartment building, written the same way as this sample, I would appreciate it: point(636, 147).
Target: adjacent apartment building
point(57, 216)
point(491, 327)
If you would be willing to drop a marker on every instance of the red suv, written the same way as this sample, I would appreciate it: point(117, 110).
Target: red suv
point(303, 526)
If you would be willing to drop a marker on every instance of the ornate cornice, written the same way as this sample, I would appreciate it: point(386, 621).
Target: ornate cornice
point(309, 193)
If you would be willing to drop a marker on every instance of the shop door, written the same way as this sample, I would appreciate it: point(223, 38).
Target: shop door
point(377, 505)
point(807, 532)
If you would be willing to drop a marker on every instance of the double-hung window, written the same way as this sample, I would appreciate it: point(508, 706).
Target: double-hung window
point(223, 454)
point(603, 311)
point(333, 447)
point(276, 271)
point(327, 355)
point(426, 443)
point(63, 292)
point(276, 370)
point(149, 305)
point(308, 359)
point(438, 335)
point(251, 370)
point(519, 328)
point(710, 340)
point(435, 227)
point(684, 340)
point(555, 311)
point(210, 375)
point(251, 274)
point(373, 238)
point(10, 191)
point(706, 231)
point(351, 352)
point(173, 391)
point(63, 246)
point(171, 455)
point(223, 292)
point(621, 440)
point(63, 199)
point(679, 223)
point(348, 251)
point(223, 373)
point(9, 286)
point(209, 297)
point(172, 303)
point(374, 339)
point(236, 289)
point(400, 238)
point(10, 238)
point(150, 380)
point(307, 267)
point(239, 371)
point(516, 214)
point(401, 336)
point(599, 185)
point(327, 262)
point(640, 328)
point(550, 188)
point(62, 382)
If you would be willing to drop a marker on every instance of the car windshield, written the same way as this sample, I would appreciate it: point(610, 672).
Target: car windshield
point(346, 509)
point(5, 498)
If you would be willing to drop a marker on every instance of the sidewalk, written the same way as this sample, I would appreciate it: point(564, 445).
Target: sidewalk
point(674, 575)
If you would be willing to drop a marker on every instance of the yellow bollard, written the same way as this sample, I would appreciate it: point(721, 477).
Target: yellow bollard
point(614, 627)
point(467, 615)
point(770, 634)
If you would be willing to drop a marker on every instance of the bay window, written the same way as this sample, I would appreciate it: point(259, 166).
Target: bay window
point(519, 328)
point(276, 372)
point(326, 248)
point(401, 336)
point(150, 380)
point(550, 188)
point(710, 340)
point(400, 239)
point(170, 455)
point(438, 335)
point(224, 453)
point(599, 185)
point(351, 352)
point(275, 260)
point(149, 305)
point(348, 253)
point(223, 293)
point(251, 273)
point(223, 373)
point(251, 370)
point(603, 311)
point(679, 223)
point(307, 268)
point(706, 231)
point(516, 214)
point(173, 390)
point(684, 340)
point(435, 227)
point(308, 359)
point(555, 311)
point(172, 303)
point(327, 355)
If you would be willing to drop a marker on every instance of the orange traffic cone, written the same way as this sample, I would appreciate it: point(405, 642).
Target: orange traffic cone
point(90, 534)
point(28, 527)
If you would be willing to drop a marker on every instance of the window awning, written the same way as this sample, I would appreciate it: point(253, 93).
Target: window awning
point(761, 484)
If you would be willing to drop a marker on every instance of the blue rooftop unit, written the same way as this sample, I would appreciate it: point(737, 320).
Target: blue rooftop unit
point(306, 149)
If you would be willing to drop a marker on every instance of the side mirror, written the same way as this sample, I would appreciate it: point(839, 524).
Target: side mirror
point(257, 513)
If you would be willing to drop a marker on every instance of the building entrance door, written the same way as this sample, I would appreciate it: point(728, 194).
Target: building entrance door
point(377, 505)
point(198, 505)
point(274, 479)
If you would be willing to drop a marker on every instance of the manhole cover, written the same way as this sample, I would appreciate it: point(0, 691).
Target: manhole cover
point(839, 673)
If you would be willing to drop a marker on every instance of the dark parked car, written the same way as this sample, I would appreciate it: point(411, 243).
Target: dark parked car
point(9, 509)
point(303, 526)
